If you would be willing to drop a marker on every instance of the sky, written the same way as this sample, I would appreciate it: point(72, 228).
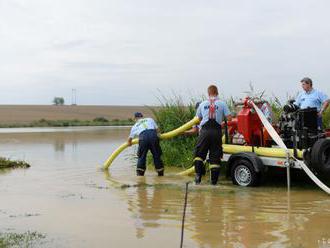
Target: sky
point(129, 52)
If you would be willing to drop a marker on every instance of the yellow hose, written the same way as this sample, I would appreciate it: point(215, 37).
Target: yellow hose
point(261, 151)
point(167, 135)
point(187, 172)
point(227, 148)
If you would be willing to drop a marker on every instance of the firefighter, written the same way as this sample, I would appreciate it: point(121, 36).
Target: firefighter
point(147, 130)
point(312, 98)
point(211, 113)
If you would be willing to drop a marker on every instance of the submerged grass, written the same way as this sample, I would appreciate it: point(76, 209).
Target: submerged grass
point(26, 240)
point(8, 163)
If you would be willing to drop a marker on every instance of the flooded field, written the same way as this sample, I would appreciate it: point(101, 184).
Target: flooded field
point(67, 198)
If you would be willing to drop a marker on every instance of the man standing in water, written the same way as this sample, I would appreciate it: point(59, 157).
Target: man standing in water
point(146, 129)
point(312, 98)
point(211, 113)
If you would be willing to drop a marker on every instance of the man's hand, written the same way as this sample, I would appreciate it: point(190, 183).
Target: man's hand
point(192, 131)
point(129, 142)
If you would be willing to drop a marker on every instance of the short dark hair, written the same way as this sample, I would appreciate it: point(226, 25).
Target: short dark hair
point(307, 80)
point(138, 115)
point(212, 90)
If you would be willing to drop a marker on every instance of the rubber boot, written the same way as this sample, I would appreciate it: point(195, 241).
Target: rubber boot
point(203, 170)
point(199, 166)
point(139, 173)
point(161, 173)
point(214, 175)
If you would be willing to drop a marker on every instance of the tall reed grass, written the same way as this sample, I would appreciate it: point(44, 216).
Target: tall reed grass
point(171, 115)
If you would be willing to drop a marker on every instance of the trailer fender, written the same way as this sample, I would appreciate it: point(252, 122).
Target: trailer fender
point(258, 166)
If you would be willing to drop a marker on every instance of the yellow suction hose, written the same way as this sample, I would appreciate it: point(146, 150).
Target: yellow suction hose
point(261, 151)
point(227, 148)
point(167, 135)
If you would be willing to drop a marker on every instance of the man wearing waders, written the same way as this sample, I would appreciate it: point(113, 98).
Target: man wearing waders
point(211, 113)
point(146, 129)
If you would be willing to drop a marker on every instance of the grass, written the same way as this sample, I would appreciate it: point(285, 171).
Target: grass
point(7, 163)
point(171, 115)
point(326, 118)
point(20, 240)
point(99, 121)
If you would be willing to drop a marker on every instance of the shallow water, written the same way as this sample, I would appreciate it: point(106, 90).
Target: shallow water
point(65, 196)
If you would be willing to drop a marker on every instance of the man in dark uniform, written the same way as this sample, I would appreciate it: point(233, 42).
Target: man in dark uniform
point(146, 129)
point(211, 113)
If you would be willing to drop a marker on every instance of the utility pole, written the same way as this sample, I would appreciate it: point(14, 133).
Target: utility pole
point(74, 97)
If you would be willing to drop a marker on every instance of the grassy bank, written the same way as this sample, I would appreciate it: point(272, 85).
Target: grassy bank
point(7, 163)
point(101, 121)
point(27, 239)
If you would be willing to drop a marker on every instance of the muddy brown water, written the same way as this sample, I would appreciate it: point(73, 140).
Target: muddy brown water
point(66, 197)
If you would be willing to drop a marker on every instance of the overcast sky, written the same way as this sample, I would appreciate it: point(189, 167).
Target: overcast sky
point(125, 52)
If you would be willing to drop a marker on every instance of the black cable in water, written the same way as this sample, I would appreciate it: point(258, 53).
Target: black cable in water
point(184, 214)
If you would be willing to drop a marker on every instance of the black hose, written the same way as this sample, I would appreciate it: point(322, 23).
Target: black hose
point(184, 214)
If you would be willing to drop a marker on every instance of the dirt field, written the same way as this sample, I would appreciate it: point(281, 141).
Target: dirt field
point(11, 114)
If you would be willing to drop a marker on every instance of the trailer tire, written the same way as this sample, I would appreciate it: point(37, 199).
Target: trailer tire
point(320, 156)
point(244, 174)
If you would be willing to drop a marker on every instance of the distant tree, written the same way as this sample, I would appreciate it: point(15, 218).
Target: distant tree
point(58, 100)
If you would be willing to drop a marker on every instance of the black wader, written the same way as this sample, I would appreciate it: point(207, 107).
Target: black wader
point(148, 140)
point(209, 140)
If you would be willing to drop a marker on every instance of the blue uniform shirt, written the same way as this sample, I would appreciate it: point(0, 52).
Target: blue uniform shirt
point(221, 110)
point(142, 125)
point(311, 99)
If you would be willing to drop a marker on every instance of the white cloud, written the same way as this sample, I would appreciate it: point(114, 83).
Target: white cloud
point(122, 52)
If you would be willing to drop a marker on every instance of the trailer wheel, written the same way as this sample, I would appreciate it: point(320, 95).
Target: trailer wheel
point(243, 173)
point(320, 156)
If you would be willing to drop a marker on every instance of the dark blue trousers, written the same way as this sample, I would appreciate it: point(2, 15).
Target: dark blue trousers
point(148, 140)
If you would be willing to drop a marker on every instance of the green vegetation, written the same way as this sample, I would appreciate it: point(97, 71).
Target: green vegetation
point(99, 121)
point(26, 240)
point(172, 114)
point(277, 108)
point(326, 118)
point(7, 163)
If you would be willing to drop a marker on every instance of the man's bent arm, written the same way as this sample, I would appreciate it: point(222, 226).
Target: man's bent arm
point(324, 107)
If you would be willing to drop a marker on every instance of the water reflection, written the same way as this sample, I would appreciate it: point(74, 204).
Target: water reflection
point(146, 210)
point(229, 216)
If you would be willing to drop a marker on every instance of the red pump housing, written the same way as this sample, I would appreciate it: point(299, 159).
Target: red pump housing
point(249, 124)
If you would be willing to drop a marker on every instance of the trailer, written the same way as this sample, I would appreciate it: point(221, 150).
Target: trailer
point(297, 128)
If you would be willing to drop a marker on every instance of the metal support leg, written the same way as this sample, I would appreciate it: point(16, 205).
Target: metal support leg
point(287, 164)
